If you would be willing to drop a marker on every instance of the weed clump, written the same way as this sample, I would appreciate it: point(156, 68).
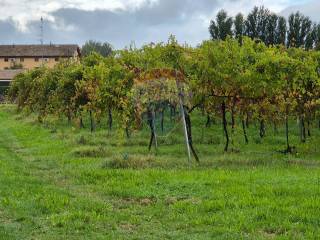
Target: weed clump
point(90, 151)
point(125, 161)
point(257, 140)
point(212, 140)
point(82, 140)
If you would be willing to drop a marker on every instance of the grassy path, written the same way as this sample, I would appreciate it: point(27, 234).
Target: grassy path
point(48, 192)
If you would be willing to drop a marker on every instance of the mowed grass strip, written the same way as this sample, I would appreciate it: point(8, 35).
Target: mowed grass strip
point(76, 185)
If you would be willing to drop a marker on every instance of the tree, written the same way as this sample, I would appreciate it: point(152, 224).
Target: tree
point(239, 27)
point(221, 27)
point(271, 29)
point(306, 87)
point(317, 37)
point(104, 49)
point(251, 24)
point(281, 31)
point(306, 34)
point(311, 38)
point(219, 78)
point(231, 78)
point(256, 23)
point(262, 23)
point(299, 28)
point(70, 73)
point(115, 82)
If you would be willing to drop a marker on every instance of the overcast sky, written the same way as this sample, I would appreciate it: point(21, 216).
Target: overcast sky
point(121, 22)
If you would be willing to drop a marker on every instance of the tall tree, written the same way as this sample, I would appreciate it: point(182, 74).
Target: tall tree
point(271, 29)
point(317, 37)
point(281, 32)
point(311, 38)
point(306, 30)
point(239, 27)
point(263, 19)
point(256, 23)
point(299, 28)
point(251, 23)
point(104, 49)
point(221, 27)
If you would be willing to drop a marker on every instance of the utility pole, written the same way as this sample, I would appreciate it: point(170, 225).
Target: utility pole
point(41, 30)
point(41, 38)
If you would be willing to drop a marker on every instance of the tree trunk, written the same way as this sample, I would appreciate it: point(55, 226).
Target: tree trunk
point(262, 129)
point(162, 119)
point(208, 123)
point(189, 132)
point(91, 121)
point(302, 130)
point(152, 129)
point(247, 120)
point(224, 123)
point(233, 121)
point(244, 131)
point(127, 132)
point(81, 121)
point(110, 119)
point(309, 130)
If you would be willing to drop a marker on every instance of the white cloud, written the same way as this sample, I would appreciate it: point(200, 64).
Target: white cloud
point(310, 8)
point(244, 6)
point(120, 21)
point(24, 11)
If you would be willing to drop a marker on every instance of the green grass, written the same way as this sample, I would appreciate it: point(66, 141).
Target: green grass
point(60, 182)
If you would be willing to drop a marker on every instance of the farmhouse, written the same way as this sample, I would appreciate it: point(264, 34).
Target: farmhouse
point(32, 56)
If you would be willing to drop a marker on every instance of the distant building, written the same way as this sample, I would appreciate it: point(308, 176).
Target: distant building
point(15, 59)
point(6, 76)
point(32, 56)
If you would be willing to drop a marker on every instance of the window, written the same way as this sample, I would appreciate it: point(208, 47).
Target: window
point(36, 59)
point(12, 59)
point(22, 59)
point(56, 59)
point(45, 59)
point(6, 60)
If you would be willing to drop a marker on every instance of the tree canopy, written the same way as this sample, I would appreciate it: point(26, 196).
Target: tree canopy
point(272, 29)
point(104, 49)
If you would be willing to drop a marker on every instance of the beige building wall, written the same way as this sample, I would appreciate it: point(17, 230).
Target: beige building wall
point(29, 62)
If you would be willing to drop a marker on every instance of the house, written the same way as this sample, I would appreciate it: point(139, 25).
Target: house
point(32, 56)
point(6, 76)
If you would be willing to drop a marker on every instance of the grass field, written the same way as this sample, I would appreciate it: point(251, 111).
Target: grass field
point(59, 182)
